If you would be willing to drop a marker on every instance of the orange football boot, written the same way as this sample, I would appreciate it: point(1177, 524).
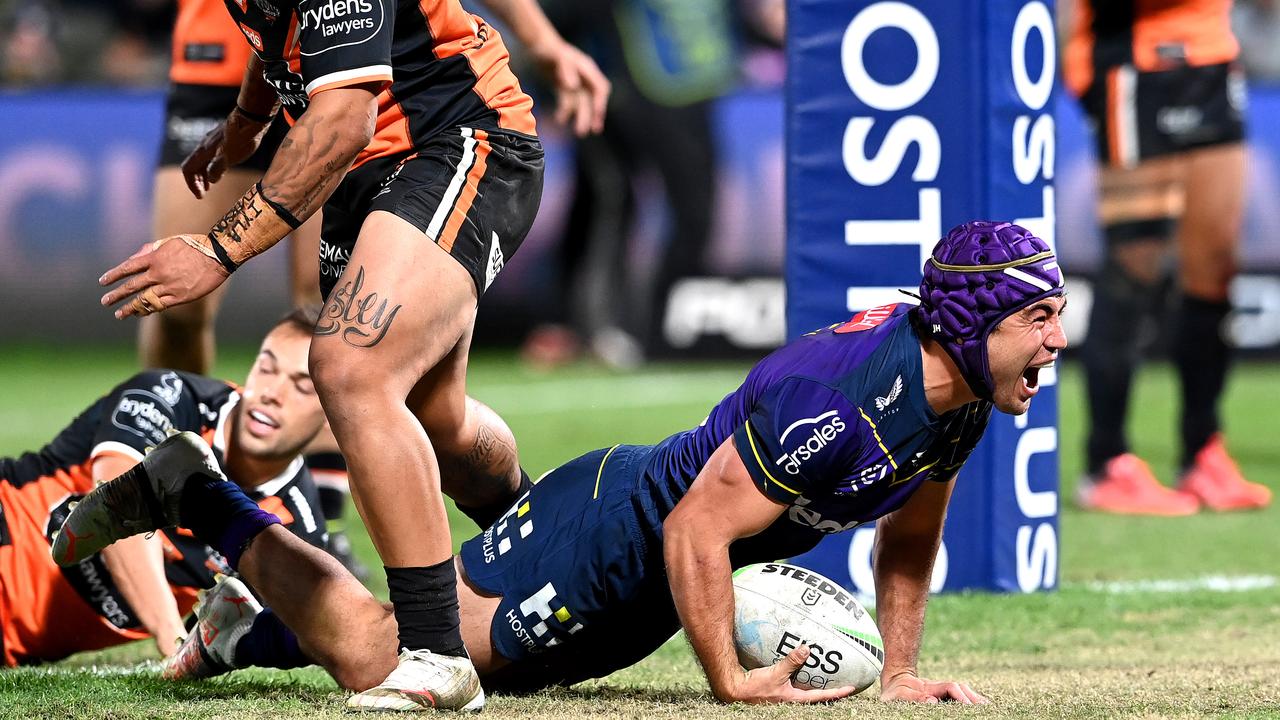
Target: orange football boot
point(1127, 487)
point(1215, 479)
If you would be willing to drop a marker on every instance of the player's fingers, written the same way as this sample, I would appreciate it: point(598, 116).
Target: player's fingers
point(953, 691)
point(792, 661)
point(143, 304)
point(974, 696)
point(598, 88)
point(582, 126)
point(564, 108)
point(132, 266)
point(216, 169)
point(134, 284)
point(190, 175)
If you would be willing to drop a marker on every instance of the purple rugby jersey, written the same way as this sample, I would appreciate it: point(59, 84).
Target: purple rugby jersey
point(834, 425)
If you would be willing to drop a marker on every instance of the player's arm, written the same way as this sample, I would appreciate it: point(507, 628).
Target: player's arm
point(906, 545)
point(582, 90)
point(235, 139)
point(137, 567)
point(723, 505)
point(311, 161)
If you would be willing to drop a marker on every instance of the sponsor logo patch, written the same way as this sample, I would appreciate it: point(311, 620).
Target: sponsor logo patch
point(496, 262)
point(169, 388)
point(894, 392)
point(826, 427)
point(142, 413)
point(253, 36)
point(868, 319)
point(341, 22)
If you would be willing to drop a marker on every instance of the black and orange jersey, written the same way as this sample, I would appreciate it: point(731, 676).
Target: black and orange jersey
point(438, 66)
point(208, 48)
point(49, 611)
point(1150, 35)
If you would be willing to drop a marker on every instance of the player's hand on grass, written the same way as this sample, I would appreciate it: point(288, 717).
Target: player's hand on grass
point(773, 684)
point(582, 91)
point(906, 687)
point(160, 275)
point(228, 144)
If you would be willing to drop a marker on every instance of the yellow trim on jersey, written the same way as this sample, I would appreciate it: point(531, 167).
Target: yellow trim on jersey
point(751, 441)
point(596, 493)
point(876, 434)
point(1000, 266)
point(563, 614)
point(926, 467)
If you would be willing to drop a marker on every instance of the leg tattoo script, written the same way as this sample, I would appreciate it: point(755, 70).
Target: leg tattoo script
point(363, 321)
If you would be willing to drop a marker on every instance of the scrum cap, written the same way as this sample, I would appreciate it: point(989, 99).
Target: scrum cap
point(980, 274)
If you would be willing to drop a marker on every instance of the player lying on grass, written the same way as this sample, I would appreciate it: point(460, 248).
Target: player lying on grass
point(142, 586)
point(607, 556)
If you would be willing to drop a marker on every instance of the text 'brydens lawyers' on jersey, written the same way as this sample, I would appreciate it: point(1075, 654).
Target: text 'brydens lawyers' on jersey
point(342, 17)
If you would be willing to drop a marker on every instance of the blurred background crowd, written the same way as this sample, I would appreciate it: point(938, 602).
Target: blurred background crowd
point(124, 43)
point(663, 236)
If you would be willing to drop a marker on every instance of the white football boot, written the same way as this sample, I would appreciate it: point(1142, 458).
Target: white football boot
point(224, 614)
point(425, 681)
point(143, 499)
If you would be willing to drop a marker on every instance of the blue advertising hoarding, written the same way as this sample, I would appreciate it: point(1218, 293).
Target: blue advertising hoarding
point(903, 120)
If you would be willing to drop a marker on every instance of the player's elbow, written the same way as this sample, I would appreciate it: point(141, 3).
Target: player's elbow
point(358, 132)
point(350, 113)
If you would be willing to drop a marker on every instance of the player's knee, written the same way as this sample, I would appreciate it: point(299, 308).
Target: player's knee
point(340, 377)
point(1210, 278)
point(453, 431)
point(1137, 248)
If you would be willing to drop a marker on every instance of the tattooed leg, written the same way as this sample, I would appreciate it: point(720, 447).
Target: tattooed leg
point(479, 466)
point(485, 471)
point(398, 310)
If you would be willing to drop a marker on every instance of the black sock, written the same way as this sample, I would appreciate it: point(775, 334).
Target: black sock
point(1202, 356)
point(425, 601)
point(1121, 312)
point(488, 514)
point(219, 513)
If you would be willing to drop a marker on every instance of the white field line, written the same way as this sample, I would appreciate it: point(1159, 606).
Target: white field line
point(608, 393)
point(1204, 583)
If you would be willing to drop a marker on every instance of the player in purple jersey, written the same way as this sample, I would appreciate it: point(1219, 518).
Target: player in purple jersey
point(610, 554)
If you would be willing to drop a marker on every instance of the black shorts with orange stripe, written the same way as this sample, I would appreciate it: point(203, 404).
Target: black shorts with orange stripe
point(191, 111)
point(472, 192)
point(1142, 115)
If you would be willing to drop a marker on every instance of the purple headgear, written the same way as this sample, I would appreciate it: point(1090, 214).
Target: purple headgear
point(978, 275)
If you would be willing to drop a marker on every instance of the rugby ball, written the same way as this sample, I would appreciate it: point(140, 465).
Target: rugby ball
point(780, 606)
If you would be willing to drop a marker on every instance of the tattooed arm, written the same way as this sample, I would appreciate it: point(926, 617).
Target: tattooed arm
point(320, 147)
point(311, 161)
point(235, 139)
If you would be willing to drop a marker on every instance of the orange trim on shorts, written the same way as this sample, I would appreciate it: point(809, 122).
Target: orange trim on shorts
point(467, 195)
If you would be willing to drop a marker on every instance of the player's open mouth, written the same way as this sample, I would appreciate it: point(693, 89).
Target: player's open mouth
point(261, 423)
point(1031, 377)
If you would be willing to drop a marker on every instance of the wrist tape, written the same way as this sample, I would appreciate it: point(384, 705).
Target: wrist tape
point(254, 224)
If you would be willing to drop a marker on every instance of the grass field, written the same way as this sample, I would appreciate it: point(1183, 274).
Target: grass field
point(1111, 642)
